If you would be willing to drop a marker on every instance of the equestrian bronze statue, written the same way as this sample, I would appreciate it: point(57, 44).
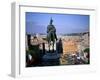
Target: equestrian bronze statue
point(51, 35)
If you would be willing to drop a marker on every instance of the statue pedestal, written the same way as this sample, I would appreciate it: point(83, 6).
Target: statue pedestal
point(51, 56)
point(51, 59)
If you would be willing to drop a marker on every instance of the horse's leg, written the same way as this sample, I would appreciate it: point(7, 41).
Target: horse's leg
point(53, 46)
point(49, 46)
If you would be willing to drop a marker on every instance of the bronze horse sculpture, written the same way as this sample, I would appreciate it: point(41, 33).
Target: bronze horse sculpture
point(51, 35)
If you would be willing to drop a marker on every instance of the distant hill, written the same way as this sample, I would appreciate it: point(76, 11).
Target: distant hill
point(75, 34)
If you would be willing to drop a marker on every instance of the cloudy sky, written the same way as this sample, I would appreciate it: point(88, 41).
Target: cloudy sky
point(64, 23)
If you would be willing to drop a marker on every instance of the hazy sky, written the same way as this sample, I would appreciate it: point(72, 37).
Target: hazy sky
point(64, 23)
